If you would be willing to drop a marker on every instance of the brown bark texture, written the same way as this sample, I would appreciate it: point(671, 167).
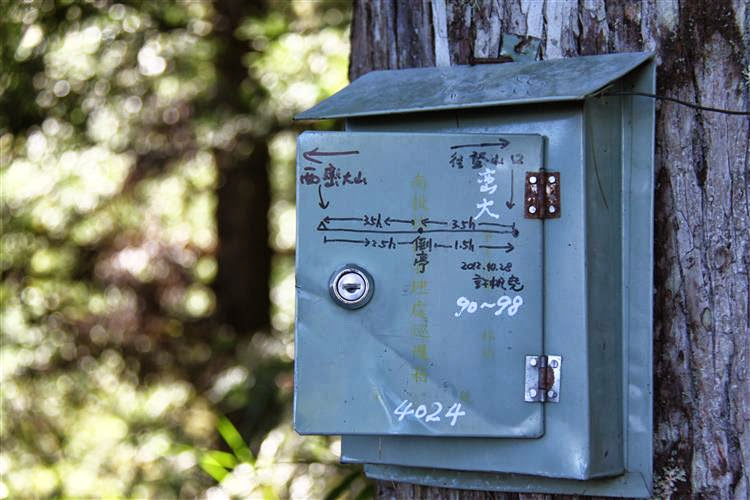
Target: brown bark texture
point(702, 230)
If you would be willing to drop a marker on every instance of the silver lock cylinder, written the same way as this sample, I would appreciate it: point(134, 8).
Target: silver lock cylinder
point(351, 286)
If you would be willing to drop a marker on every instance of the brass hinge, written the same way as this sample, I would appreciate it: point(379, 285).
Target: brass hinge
point(542, 195)
point(542, 379)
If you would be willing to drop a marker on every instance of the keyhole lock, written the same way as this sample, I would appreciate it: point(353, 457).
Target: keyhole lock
point(351, 286)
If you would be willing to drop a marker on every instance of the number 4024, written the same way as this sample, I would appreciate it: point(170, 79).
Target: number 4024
point(433, 415)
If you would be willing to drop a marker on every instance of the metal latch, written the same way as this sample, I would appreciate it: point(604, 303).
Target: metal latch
point(543, 379)
point(542, 195)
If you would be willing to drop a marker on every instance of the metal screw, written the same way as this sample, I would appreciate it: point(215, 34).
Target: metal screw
point(551, 394)
point(552, 209)
point(553, 363)
point(532, 179)
point(532, 361)
point(532, 393)
point(551, 179)
point(532, 210)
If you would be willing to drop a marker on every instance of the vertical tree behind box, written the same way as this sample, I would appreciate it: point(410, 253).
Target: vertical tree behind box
point(702, 396)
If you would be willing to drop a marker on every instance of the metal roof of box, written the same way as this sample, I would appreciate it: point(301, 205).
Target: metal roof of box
point(458, 87)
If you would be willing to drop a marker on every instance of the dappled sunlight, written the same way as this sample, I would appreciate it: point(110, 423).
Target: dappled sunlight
point(115, 367)
point(299, 70)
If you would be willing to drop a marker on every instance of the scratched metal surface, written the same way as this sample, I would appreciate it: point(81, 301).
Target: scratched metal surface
point(355, 368)
point(565, 449)
point(456, 87)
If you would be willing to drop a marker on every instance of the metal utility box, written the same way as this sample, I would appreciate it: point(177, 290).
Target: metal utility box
point(474, 282)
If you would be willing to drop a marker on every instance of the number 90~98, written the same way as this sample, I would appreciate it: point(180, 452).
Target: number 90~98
point(503, 304)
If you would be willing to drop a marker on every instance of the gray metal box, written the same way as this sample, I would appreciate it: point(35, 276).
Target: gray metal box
point(502, 219)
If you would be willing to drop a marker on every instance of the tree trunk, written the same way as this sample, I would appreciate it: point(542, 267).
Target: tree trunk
point(702, 235)
point(244, 255)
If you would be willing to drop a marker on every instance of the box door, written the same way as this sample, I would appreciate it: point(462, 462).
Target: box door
point(453, 272)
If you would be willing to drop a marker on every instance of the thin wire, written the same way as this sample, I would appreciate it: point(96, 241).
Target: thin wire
point(684, 103)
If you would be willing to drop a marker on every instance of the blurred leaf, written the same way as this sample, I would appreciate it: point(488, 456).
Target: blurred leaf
point(233, 438)
point(116, 119)
point(217, 463)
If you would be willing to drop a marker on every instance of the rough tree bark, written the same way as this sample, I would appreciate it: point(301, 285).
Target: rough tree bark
point(702, 235)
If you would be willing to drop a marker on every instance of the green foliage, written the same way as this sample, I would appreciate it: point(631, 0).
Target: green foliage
point(114, 370)
point(233, 438)
point(242, 476)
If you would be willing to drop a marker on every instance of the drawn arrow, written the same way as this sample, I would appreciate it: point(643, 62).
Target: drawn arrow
point(406, 242)
point(323, 227)
point(328, 219)
point(309, 155)
point(512, 227)
point(497, 224)
point(388, 221)
point(501, 143)
point(426, 221)
point(322, 203)
point(510, 203)
point(326, 240)
point(507, 247)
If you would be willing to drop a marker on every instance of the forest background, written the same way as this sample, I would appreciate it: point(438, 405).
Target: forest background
point(147, 246)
